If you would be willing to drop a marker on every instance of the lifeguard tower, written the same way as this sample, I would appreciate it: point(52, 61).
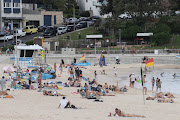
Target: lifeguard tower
point(28, 56)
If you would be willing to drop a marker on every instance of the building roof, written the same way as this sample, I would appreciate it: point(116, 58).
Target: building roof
point(144, 34)
point(94, 36)
point(28, 11)
point(30, 47)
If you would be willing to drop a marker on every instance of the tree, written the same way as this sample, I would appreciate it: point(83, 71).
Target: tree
point(161, 38)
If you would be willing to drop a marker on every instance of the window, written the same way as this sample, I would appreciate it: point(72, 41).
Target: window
point(31, 27)
point(7, 4)
point(16, 5)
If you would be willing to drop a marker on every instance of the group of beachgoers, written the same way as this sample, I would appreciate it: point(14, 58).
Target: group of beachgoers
point(161, 97)
point(91, 89)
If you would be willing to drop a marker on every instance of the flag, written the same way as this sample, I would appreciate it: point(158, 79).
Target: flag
point(150, 63)
point(83, 57)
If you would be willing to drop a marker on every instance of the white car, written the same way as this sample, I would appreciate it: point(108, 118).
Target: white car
point(125, 16)
point(19, 33)
point(6, 37)
point(62, 30)
point(72, 20)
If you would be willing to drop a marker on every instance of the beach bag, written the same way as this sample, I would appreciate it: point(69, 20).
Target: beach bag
point(73, 106)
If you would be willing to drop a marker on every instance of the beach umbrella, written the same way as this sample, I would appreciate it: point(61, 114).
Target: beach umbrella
point(8, 69)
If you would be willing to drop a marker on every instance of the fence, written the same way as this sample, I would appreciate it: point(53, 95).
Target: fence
point(159, 51)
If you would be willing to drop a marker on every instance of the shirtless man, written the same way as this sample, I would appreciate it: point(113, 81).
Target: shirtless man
point(55, 67)
point(120, 113)
point(39, 79)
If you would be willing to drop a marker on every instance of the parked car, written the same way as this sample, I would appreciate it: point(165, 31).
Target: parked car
point(72, 20)
point(94, 17)
point(50, 31)
point(19, 33)
point(82, 24)
point(42, 28)
point(82, 18)
point(31, 29)
point(62, 30)
point(125, 16)
point(70, 28)
point(6, 37)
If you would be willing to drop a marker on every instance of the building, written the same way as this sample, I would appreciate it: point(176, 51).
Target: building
point(10, 15)
point(93, 6)
point(38, 18)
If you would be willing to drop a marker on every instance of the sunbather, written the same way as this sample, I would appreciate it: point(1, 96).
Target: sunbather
point(165, 100)
point(52, 93)
point(3, 93)
point(120, 113)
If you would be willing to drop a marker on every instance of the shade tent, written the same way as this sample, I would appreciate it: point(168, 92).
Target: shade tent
point(94, 36)
point(144, 34)
point(8, 69)
point(30, 47)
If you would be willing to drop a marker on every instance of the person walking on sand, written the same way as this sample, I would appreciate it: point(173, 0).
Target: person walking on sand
point(61, 68)
point(115, 72)
point(95, 74)
point(39, 80)
point(133, 80)
point(29, 81)
point(159, 85)
point(144, 84)
point(153, 81)
point(55, 67)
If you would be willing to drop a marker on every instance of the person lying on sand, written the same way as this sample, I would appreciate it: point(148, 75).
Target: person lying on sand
point(3, 93)
point(46, 85)
point(161, 95)
point(165, 100)
point(51, 93)
point(120, 113)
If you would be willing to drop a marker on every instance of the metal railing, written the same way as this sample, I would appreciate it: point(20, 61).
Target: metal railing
point(159, 51)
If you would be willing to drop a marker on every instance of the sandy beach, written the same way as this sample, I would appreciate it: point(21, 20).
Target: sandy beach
point(33, 105)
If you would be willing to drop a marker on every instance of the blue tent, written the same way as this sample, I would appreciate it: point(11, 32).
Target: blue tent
point(102, 58)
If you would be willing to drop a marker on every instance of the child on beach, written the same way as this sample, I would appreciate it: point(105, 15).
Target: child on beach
point(144, 84)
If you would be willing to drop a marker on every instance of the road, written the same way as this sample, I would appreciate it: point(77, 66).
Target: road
point(29, 38)
point(24, 39)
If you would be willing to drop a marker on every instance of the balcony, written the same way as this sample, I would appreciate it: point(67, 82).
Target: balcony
point(97, 4)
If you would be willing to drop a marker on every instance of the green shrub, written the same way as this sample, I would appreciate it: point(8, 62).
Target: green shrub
point(29, 42)
point(11, 47)
point(161, 38)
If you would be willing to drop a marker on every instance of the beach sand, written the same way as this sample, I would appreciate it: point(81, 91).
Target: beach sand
point(33, 105)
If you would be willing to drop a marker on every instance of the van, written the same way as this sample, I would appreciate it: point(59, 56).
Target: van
point(31, 29)
point(19, 33)
point(62, 30)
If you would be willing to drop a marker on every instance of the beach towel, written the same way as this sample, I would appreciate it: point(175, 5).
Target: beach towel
point(75, 93)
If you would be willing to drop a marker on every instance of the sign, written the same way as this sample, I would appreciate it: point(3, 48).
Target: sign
point(107, 40)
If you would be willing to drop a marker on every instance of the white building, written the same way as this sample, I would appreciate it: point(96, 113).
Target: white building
point(10, 15)
point(93, 6)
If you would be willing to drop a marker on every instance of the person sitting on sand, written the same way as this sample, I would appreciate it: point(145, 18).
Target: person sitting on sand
point(51, 93)
point(77, 83)
point(120, 113)
point(106, 86)
point(46, 85)
point(169, 95)
point(64, 103)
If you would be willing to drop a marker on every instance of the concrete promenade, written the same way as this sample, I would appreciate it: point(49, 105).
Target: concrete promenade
point(110, 59)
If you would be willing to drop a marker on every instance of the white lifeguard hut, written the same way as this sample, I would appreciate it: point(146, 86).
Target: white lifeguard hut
point(28, 56)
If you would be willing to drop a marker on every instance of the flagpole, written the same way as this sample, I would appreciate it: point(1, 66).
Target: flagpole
point(142, 84)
